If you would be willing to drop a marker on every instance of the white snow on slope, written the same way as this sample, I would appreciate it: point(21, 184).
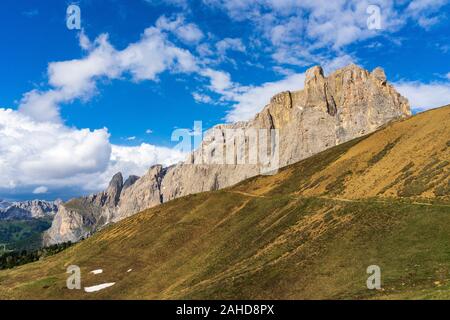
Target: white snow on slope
point(99, 287)
point(97, 271)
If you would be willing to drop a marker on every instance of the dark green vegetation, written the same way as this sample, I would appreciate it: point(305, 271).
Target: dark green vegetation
point(13, 259)
point(308, 232)
point(383, 152)
point(22, 234)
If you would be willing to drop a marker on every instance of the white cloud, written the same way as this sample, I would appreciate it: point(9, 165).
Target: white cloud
point(178, 3)
point(300, 27)
point(424, 96)
point(338, 62)
point(202, 98)
point(84, 41)
point(149, 131)
point(40, 190)
point(37, 149)
point(41, 153)
point(42, 106)
point(418, 6)
point(426, 12)
point(282, 70)
point(77, 79)
point(204, 49)
point(226, 44)
point(251, 100)
point(137, 159)
point(77, 76)
point(300, 32)
point(220, 81)
point(131, 160)
point(187, 32)
point(53, 155)
point(131, 138)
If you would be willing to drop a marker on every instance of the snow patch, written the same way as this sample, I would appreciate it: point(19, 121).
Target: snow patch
point(129, 270)
point(97, 271)
point(99, 287)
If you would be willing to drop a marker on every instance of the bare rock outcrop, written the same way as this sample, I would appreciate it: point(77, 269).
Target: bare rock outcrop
point(349, 103)
point(80, 217)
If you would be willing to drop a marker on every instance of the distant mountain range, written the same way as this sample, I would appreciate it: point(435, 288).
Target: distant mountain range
point(31, 209)
point(22, 223)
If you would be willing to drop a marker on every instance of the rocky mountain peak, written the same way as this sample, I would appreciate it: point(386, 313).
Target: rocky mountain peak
point(112, 194)
point(130, 181)
point(330, 110)
point(378, 73)
point(314, 74)
point(116, 181)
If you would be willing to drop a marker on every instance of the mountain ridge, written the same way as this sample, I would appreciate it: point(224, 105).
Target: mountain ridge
point(30, 209)
point(348, 103)
point(293, 235)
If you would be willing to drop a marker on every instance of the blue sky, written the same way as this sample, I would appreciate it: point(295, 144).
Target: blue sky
point(79, 105)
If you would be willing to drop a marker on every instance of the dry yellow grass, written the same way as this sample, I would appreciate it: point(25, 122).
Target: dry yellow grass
point(308, 232)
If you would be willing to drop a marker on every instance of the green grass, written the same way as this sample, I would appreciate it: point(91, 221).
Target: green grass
point(380, 155)
point(23, 234)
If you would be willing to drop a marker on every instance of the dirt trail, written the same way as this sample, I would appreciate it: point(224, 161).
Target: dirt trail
point(383, 201)
point(346, 200)
point(248, 194)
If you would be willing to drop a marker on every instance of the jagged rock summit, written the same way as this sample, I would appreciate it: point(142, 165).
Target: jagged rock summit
point(349, 103)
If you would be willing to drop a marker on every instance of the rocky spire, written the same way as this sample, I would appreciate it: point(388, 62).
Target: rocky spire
point(330, 110)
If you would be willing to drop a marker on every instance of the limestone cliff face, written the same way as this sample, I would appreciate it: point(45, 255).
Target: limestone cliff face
point(349, 103)
point(79, 218)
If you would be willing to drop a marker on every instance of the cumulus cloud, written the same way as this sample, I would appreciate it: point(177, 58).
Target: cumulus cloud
point(177, 3)
point(338, 62)
point(41, 153)
point(310, 27)
point(234, 44)
point(282, 70)
point(202, 98)
point(187, 32)
point(137, 159)
point(424, 96)
point(40, 190)
point(426, 12)
point(131, 160)
point(220, 81)
point(36, 147)
point(36, 153)
point(250, 100)
point(77, 78)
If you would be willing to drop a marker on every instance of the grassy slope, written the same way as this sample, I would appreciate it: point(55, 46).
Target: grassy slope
point(308, 232)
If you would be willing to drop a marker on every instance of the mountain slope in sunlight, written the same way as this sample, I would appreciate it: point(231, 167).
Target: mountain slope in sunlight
point(310, 231)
